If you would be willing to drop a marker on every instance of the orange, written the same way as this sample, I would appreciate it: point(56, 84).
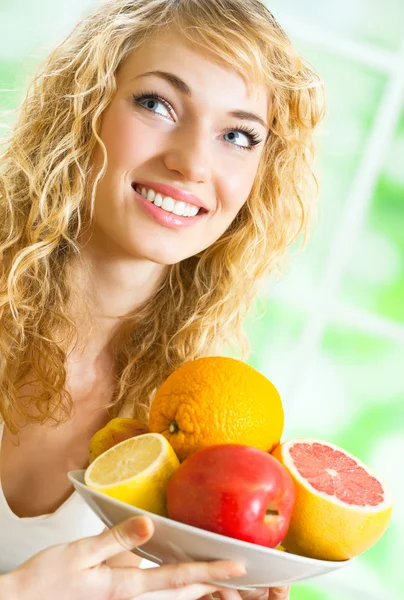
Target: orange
point(217, 400)
point(341, 508)
point(117, 430)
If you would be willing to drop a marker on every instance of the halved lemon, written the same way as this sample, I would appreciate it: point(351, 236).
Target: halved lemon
point(135, 471)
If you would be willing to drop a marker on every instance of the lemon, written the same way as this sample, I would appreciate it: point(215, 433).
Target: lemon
point(117, 430)
point(135, 471)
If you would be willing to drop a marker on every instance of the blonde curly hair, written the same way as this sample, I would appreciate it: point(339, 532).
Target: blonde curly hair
point(46, 202)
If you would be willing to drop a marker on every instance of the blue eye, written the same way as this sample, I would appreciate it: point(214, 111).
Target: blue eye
point(154, 103)
point(237, 138)
point(242, 137)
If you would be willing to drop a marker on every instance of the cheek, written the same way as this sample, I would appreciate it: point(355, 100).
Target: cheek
point(128, 141)
point(236, 181)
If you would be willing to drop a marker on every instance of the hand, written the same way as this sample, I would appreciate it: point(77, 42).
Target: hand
point(264, 594)
point(79, 571)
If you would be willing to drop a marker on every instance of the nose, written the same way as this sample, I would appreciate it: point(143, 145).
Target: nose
point(189, 155)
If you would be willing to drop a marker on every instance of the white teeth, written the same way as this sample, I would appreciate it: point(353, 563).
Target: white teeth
point(182, 209)
point(158, 201)
point(168, 204)
point(179, 208)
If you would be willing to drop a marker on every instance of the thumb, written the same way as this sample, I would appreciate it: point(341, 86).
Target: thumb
point(279, 593)
point(127, 535)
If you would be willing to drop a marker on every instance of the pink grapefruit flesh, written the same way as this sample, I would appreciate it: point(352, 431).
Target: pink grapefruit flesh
point(342, 508)
point(335, 473)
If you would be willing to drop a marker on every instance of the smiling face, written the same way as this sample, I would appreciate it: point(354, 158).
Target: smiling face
point(184, 136)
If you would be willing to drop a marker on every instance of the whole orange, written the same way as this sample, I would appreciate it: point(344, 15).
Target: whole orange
point(217, 400)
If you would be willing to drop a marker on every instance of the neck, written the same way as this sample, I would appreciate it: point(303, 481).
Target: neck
point(113, 286)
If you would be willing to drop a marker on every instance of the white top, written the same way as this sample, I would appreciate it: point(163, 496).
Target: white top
point(21, 538)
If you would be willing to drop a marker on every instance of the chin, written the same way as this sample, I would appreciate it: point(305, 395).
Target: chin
point(160, 254)
point(164, 258)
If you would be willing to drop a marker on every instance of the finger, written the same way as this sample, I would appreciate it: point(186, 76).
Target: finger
point(216, 595)
point(133, 582)
point(228, 595)
point(279, 593)
point(190, 592)
point(127, 535)
point(213, 596)
point(124, 559)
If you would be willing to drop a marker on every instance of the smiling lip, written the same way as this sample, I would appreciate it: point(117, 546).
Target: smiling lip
point(165, 218)
point(167, 190)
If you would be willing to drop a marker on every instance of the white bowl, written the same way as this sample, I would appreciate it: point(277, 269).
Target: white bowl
point(175, 542)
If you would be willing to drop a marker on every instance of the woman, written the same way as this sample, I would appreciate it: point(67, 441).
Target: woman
point(159, 170)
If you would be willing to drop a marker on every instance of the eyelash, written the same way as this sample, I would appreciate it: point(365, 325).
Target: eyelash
point(252, 135)
point(153, 96)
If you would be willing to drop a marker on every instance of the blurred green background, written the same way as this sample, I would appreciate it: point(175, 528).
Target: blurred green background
point(332, 336)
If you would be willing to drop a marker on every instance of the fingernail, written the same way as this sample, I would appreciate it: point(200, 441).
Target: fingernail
point(238, 570)
point(235, 570)
point(142, 527)
point(282, 593)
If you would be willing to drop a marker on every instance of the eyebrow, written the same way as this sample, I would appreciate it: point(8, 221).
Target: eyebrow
point(182, 87)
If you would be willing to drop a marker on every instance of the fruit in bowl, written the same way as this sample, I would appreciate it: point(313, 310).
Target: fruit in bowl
point(217, 400)
point(342, 508)
point(233, 490)
point(135, 471)
point(222, 419)
point(115, 431)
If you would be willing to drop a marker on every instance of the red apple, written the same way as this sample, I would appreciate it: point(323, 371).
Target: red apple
point(234, 490)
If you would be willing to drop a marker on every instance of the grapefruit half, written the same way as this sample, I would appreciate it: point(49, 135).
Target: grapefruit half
point(341, 509)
